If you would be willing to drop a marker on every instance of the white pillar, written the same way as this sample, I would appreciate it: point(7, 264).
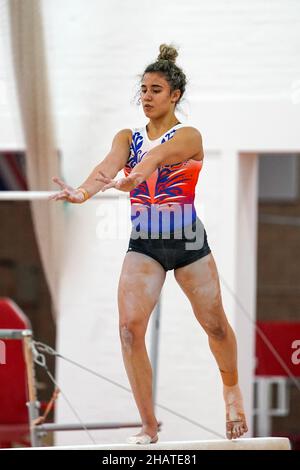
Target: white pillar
point(235, 254)
point(246, 268)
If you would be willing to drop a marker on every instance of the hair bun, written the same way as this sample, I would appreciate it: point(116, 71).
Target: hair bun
point(167, 53)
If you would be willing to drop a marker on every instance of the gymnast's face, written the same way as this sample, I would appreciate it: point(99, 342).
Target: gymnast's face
point(156, 96)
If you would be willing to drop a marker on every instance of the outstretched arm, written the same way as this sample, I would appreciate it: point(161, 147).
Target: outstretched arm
point(186, 144)
point(114, 161)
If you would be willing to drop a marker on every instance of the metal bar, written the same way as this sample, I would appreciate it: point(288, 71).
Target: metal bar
point(77, 427)
point(43, 195)
point(14, 334)
point(33, 414)
point(33, 404)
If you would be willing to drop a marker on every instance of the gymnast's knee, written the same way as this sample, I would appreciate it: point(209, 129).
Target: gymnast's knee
point(131, 335)
point(217, 331)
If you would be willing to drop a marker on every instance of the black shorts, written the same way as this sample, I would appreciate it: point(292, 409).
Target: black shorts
point(172, 252)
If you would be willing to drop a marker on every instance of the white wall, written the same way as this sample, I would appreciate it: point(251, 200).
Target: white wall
point(242, 61)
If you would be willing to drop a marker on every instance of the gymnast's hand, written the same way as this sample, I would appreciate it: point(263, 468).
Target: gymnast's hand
point(123, 184)
point(67, 193)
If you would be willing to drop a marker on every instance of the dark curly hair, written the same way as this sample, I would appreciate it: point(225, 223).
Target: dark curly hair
point(166, 66)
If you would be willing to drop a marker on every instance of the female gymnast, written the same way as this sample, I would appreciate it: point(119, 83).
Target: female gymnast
point(161, 162)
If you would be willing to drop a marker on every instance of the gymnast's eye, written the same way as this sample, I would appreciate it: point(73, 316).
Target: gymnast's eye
point(154, 90)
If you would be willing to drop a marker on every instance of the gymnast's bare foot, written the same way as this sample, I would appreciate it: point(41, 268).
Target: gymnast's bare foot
point(236, 424)
point(147, 435)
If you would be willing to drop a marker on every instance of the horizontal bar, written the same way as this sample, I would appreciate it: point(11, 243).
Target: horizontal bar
point(43, 195)
point(79, 427)
point(256, 443)
point(14, 334)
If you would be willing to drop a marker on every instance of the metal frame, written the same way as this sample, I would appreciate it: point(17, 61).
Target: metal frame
point(37, 431)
